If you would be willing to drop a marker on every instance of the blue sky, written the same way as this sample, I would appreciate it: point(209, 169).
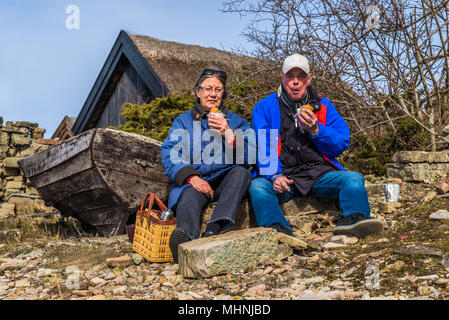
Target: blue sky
point(47, 71)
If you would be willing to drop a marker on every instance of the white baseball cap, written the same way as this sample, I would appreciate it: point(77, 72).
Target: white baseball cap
point(296, 61)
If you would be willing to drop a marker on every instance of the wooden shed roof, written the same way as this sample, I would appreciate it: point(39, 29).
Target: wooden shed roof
point(163, 66)
point(178, 65)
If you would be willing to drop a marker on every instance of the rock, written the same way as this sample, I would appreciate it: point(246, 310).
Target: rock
point(120, 261)
point(442, 187)
point(419, 166)
point(317, 279)
point(231, 252)
point(137, 258)
point(23, 205)
point(97, 281)
point(44, 273)
point(47, 142)
point(20, 139)
point(420, 249)
point(14, 185)
point(81, 293)
point(120, 290)
point(13, 235)
point(7, 210)
point(440, 215)
point(259, 289)
point(333, 246)
point(337, 239)
point(293, 242)
point(11, 162)
point(445, 263)
point(350, 240)
point(398, 265)
point(23, 283)
point(389, 207)
point(97, 297)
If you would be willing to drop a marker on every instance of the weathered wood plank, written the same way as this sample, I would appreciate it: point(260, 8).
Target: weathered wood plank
point(53, 156)
point(63, 189)
point(134, 187)
point(76, 165)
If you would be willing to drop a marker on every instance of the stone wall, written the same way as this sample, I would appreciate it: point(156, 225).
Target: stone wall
point(18, 139)
point(419, 166)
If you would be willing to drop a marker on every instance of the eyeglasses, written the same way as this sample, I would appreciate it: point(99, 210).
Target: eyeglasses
point(211, 72)
point(209, 90)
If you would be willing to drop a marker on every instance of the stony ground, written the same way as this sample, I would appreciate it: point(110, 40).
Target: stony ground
point(408, 260)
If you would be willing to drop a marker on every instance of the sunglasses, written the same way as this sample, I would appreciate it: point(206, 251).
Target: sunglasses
point(211, 72)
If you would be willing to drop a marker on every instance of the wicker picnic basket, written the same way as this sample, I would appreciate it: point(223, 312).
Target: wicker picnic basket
point(151, 234)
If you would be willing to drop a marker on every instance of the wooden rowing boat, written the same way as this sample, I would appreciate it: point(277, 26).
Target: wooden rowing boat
point(99, 177)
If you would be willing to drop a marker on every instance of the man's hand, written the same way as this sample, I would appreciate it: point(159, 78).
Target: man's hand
point(309, 122)
point(202, 186)
point(281, 184)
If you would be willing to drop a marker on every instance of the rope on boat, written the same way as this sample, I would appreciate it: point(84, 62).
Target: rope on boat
point(22, 196)
point(43, 214)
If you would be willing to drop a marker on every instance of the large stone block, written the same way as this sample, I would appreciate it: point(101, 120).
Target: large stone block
point(419, 166)
point(23, 205)
point(14, 185)
point(4, 138)
point(418, 172)
point(22, 124)
point(234, 251)
point(11, 162)
point(10, 172)
point(21, 139)
point(3, 151)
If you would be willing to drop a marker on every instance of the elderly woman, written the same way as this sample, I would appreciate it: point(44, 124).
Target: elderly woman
point(198, 181)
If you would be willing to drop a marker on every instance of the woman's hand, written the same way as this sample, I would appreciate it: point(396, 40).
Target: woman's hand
point(221, 125)
point(202, 186)
point(281, 184)
point(309, 122)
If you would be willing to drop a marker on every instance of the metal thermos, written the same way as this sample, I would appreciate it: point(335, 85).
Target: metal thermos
point(167, 215)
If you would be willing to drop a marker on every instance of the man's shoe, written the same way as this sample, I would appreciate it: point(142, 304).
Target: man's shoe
point(357, 225)
point(280, 228)
point(177, 237)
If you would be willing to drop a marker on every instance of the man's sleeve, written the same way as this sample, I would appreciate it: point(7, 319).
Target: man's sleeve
point(267, 158)
point(333, 138)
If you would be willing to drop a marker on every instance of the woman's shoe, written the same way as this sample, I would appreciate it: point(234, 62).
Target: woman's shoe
point(177, 237)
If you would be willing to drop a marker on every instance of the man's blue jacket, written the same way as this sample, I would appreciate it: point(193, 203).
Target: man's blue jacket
point(331, 140)
point(208, 171)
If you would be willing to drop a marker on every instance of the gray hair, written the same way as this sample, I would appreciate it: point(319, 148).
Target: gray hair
point(216, 72)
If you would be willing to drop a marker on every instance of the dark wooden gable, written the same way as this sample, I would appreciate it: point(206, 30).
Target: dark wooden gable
point(125, 77)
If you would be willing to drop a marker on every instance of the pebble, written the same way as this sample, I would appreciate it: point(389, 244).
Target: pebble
point(440, 215)
point(97, 281)
point(44, 272)
point(137, 258)
point(333, 246)
point(23, 283)
point(120, 290)
point(259, 289)
point(317, 279)
point(120, 261)
point(430, 277)
point(268, 270)
point(445, 263)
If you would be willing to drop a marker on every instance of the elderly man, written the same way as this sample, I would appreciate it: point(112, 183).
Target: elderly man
point(311, 135)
